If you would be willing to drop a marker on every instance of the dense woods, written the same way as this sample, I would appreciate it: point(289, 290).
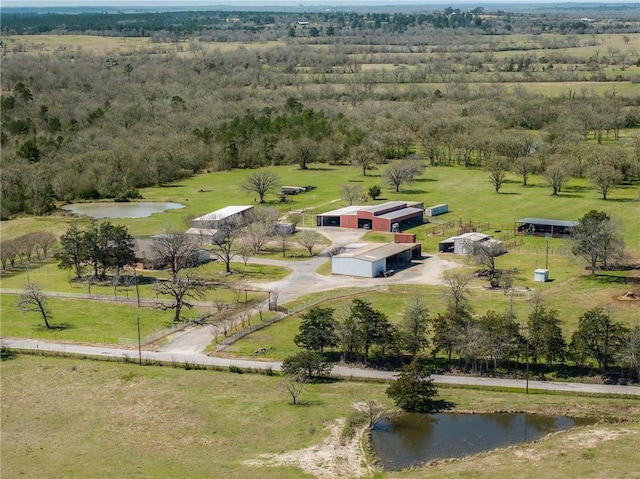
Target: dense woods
point(451, 87)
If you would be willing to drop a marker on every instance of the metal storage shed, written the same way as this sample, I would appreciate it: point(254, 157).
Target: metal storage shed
point(387, 217)
point(372, 260)
point(212, 220)
point(459, 244)
point(544, 227)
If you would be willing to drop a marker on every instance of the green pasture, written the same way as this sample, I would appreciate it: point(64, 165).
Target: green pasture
point(48, 277)
point(467, 191)
point(84, 320)
point(571, 298)
point(60, 415)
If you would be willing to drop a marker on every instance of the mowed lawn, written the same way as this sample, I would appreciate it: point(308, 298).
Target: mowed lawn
point(78, 418)
point(84, 321)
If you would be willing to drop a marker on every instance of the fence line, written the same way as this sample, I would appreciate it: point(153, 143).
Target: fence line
point(342, 293)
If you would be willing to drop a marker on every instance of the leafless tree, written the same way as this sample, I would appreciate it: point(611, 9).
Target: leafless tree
point(351, 193)
point(284, 233)
point(177, 250)
point(456, 289)
point(229, 230)
point(484, 253)
point(557, 174)
point(293, 387)
point(184, 287)
point(44, 241)
point(401, 172)
point(261, 182)
point(8, 253)
point(308, 239)
point(244, 250)
point(604, 177)
point(364, 156)
point(33, 300)
point(497, 168)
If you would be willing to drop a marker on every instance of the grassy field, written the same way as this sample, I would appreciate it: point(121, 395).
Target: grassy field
point(84, 321)
point(585, 293)
point(77, 418)
point(475, 201)
point(570, 293)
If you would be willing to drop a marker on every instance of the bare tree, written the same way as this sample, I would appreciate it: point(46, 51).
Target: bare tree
point(261, 182)
point(485, 252)
point(497, 168)
point(284, 233)
point(364, 156)
point(33, 300)
point(183, 287)
point(177, 250)
point(604, 177)
point(557, 174)
point(456, 288)
point(244, 250)
point(401, 172)
point(44, 241)
point(293, 387)
point(223, 240)
point(308, 239)
point(8, 253)
point(351, 193)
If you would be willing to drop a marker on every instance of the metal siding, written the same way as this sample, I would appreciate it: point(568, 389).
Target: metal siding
point(353, 267)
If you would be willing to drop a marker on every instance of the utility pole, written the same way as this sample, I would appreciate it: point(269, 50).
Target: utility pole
point(139, 343)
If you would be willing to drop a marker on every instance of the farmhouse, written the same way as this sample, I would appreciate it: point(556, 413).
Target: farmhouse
point(546, 228)
point(387, 217)
point(371, 260)
point(147, 256)
point(460, 244)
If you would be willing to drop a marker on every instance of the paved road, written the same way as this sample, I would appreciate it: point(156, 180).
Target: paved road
point(340, 371)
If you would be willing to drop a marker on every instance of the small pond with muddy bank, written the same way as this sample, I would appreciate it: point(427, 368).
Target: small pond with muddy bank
point(120, 210)
point(416, 439)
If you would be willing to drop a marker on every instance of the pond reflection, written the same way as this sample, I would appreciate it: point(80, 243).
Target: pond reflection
point(414, 439)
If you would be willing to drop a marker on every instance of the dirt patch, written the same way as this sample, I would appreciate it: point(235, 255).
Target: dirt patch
point(333, 458)
point(587, 438)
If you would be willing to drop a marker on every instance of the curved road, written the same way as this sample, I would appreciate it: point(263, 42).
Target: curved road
point(339, 371)
point(303, 280)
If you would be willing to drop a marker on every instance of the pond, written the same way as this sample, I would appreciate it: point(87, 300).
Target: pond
point(120, 210)
point(414, 439)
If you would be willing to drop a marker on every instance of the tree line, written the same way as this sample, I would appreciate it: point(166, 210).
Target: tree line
point(320, 24)
point(457, 340)
point(82, 125)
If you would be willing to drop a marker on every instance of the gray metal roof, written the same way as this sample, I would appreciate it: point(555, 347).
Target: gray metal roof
point(545, 221)
point(223, 213)
point(347, 210)
point(400, 213)
point(373, 252)
point(385, 206)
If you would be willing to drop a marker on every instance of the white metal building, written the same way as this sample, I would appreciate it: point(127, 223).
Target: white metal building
point(373, 260)
point(212, 220)
point(460, 244)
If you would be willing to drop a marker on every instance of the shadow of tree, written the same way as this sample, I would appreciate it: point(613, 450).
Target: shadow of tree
point(6, 354)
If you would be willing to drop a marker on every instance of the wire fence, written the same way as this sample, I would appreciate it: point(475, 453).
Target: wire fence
point(295, 309)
